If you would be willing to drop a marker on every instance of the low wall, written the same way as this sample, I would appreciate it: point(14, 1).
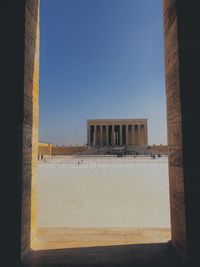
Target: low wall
point(50, 149)
point(158, 149)
point(56, 150)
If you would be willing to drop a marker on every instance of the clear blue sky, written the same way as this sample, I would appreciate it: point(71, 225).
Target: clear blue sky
point(100, 59)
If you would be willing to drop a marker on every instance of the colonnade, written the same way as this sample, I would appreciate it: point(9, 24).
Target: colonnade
point(112, 133)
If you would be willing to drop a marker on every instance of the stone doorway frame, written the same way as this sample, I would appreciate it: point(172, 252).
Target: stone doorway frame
point(175, 145)
point(180, 25)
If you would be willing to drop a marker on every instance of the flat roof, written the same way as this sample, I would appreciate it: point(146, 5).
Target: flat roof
point(120, 121)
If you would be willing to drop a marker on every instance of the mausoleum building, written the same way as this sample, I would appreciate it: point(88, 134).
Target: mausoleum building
point(117, 132)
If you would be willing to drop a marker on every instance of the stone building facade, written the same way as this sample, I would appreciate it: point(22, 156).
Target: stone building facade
point(45, 149)
point(117, 132)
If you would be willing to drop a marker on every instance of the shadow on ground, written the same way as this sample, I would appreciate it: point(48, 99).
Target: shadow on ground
point(160, 254)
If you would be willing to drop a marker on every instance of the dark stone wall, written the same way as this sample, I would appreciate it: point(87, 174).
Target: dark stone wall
point(188, 13)
point(12, 16)
point(19, 124)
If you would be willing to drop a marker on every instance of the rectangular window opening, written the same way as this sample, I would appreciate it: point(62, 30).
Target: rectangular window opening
point(102, 153)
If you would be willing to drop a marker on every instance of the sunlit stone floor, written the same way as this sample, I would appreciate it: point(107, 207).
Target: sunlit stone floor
point(102, 202)
point(103, 192)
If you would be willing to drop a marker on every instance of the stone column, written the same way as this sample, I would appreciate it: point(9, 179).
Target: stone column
point(133, 134)
point(95, 133)
point(121, 139)
point(107, 135)
point(127, 139)
point(113, 134)
point(146, 135)
point(139, 133)
point(89, 135)
point(90, 139)
point(143, 134)
point(101, 135)
point(50, 149)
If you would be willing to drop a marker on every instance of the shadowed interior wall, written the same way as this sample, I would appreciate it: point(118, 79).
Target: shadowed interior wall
point(189, 62)
point(19, 121)
point(12, 25)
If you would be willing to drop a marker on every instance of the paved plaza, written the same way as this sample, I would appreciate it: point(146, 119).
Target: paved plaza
point(103, 192)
